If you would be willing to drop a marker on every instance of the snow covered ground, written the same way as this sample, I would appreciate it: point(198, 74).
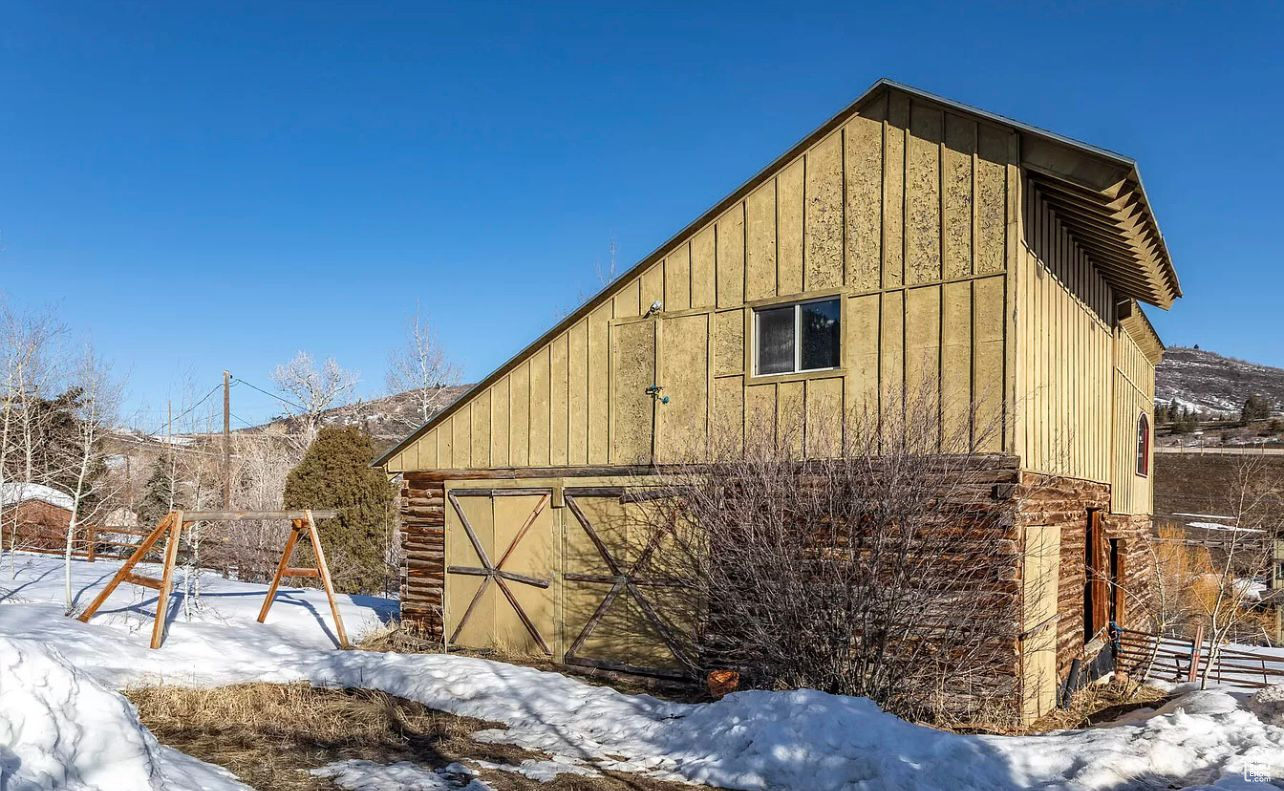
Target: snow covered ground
point(62, 725)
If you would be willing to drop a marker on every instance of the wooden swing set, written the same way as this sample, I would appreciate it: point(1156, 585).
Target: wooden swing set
point(303, 525)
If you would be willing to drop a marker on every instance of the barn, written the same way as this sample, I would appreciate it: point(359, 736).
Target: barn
point(936, 244)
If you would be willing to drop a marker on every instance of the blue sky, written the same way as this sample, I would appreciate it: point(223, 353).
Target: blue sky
point(200, 186)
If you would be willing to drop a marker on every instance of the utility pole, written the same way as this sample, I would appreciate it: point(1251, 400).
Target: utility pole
point(227, 440)
point(169, 450)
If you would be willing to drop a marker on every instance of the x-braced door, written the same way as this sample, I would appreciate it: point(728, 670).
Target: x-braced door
point(618, 605)
point(500, 555)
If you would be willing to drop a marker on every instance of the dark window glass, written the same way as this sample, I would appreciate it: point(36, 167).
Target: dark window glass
point(1143, 445)
point(775, 340)
point(820, 329)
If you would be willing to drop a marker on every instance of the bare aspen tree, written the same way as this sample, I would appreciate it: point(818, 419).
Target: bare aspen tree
point(420, 367)
point(262, 461)
point(312, 390)
point(95, 409)
point(200, 472)
point(26, 351)
point(1255, 501)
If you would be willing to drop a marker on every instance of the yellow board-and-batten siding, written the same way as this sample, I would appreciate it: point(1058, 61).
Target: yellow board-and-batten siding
point(952, 270)
point(902, 210)
point(1065, 315)
point(1134, 395)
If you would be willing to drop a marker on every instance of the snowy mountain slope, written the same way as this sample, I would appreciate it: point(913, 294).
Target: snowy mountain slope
point(1208, 382)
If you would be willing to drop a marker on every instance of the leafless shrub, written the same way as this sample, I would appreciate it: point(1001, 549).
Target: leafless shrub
point(1255, 500)
point(420, 367)
point(885, 568)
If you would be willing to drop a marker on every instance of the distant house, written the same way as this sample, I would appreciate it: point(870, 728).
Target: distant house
point(33, 516)
point(934, 244)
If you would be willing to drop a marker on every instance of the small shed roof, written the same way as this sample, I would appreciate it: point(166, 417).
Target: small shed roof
point(16, 492)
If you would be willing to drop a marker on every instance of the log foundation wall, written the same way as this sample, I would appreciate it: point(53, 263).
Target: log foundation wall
point(1026, 499)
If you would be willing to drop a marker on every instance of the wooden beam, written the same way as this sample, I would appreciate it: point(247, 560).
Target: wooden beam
point(128, 566)
point(324, 572)
point(304, 526)
point(167, 577)
point(144, 582)
point(227, 516)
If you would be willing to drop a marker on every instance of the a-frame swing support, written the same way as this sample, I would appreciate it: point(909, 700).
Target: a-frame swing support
point(303, 525)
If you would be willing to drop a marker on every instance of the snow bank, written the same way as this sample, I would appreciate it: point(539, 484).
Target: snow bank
point(60, 729)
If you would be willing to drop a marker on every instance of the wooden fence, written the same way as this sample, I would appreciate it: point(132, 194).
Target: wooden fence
point(1178, 659)
point(119, 542)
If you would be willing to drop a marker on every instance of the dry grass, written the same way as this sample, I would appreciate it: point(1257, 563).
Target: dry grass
point(1099, 703)
point(270, 735)
point(397, 639)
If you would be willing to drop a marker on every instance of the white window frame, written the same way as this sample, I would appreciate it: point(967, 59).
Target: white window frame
point(797, 306)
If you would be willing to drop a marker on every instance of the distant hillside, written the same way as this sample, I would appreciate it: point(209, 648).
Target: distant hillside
point(387, 419)
point(1208, 382)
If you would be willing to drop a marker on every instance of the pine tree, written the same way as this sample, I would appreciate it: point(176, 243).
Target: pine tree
point(160, 495)
point(336, 473)
point(1255, 408)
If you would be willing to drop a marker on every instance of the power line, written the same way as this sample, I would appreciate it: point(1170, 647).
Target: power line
point(190, 409)
point(239, 380)
point(243, 421)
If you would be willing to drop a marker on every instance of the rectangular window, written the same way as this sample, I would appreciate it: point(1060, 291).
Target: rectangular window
point(804, 336)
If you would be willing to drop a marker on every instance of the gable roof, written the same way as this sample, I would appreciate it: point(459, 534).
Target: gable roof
point(12, 493)
point(1097, 193)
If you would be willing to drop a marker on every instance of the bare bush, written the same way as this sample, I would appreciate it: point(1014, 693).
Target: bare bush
point(884, 569)
point(1255, 501)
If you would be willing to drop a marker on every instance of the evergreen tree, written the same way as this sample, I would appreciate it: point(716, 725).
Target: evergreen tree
point(1255, 408)
point(56, 443)
point(160, 495)
point(336, 473)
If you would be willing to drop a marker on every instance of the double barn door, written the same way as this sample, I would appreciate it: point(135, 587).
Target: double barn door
point(571, 573)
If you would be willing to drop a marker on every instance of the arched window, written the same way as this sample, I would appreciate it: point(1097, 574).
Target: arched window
point(1143, 444)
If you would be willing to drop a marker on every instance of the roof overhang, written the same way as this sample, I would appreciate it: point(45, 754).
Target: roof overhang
point(1106, 210)
point(1134, 321)
point(1100, 198)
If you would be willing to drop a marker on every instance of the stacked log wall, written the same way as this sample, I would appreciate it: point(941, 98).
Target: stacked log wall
point(1048, 500)
point(1024, 500)
point(1135, 533)
point(423, 546)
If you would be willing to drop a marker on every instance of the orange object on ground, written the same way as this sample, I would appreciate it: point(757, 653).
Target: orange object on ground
point(723, 682)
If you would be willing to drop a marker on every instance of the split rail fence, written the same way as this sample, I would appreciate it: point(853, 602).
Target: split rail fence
point(1179, 659)
point(119, 542)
